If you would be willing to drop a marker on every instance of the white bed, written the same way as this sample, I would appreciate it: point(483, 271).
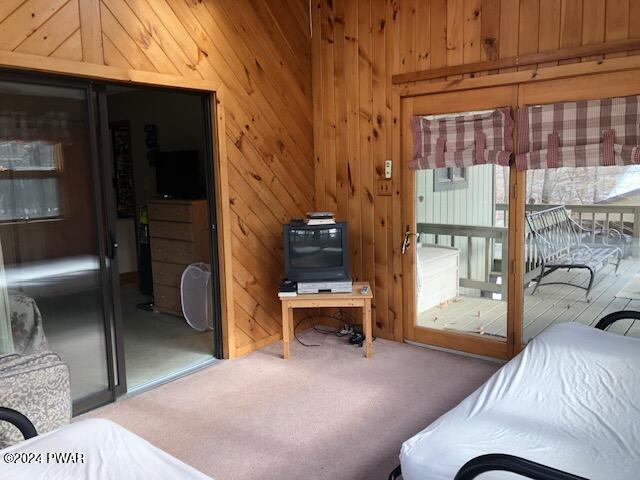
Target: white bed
point(570, 400)
point(108, 450)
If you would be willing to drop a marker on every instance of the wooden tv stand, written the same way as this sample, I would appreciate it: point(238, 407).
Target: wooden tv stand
point(325, 300)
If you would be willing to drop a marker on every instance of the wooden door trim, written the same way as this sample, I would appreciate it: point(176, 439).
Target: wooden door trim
point(539, 74)
point(443, 102)
point(569, 53)
point(599, 79)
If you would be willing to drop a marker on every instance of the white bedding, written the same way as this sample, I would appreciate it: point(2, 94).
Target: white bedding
point(110, 452)
point(570, 400)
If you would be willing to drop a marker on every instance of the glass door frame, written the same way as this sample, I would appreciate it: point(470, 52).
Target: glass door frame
point(105, 396)
point(437, 103)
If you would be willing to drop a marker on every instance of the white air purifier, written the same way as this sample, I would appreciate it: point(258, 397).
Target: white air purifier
point(197, 297)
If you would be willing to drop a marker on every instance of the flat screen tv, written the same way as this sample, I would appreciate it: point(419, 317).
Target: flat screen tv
point(178, 175)
point(316, 252)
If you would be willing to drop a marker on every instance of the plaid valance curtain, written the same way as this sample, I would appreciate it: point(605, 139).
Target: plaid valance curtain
point(587, 133)
point(462, 140)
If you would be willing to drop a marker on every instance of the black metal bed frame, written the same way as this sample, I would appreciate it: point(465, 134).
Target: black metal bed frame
point(518, 465)
point(18, 420)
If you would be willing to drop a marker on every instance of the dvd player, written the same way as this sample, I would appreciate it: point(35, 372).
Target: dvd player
point(340, 286)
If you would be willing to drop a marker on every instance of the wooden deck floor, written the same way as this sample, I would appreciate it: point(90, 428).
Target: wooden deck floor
point(551, 304)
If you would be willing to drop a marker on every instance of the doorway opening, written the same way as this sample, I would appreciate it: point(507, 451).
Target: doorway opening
point(160, 196)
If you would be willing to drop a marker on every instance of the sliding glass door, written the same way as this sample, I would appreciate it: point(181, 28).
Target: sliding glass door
point(456, 246)
point(52, 242)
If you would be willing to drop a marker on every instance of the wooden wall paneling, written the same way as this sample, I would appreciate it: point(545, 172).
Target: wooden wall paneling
point(71, 48)
point(365, 101)
point(422, 36)
point(328, 106)
point(634, 23)
point(26, 19)
point(261, 60)
point(317, 92)
point(549, 17)
point(52, 33)
point(471, 36)
point(91, 31)
point(528, 28)
point(380, 284)
point(617, 22)
point(490, 29)
point(438, 23)
point(352, 154)
point(290, 50)
point(408, 34)
point(394, 205)
point(341, 112)
point(125, 45)
point(152, 26)
point(455, 34)
point(593, 19)
point(139, 34)
point(509, 36)
point(243, 70)
point(570, 26)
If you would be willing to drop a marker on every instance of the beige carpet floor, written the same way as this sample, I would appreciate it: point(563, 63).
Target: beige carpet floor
point(327, 413)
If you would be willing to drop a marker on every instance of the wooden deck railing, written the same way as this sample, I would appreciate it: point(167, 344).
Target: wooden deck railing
point(485, 238)
point(624, 218)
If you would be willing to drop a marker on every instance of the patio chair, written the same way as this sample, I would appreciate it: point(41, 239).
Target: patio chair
point(561, 243)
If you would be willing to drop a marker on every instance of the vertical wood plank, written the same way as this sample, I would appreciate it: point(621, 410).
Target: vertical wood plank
point(490, 29)
point(365, 131)
point(438, 22)
point(528, 34)
point(593, 20)
point(379, 131)
point(570, 25)
point(91, 31)
point(509, 31)
point(318, 117)
point(340, 106)
point(328, 107)
point(617, 23)
point(423, 35)
point(549, 28)
point(471, 32)
point(455, 33)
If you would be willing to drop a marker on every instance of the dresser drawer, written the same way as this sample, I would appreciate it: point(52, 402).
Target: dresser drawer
point(172, 251)
point(166, 298)
point(167, 274)
point(173, 230)
point(172, 212)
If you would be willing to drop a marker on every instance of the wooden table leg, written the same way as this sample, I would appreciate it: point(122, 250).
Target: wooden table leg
point(287, 313)
point(366, 324)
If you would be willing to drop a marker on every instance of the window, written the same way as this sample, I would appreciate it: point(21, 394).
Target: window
point(449, 179)
point(30, 180)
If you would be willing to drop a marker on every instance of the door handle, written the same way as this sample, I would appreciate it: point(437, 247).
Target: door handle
point(112, 245)
point(406, 243)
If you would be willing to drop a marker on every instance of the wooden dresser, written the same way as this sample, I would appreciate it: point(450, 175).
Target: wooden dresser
point(179, 231)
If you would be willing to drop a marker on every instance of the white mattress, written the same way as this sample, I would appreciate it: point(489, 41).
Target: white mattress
point(110, 452)
point(570, 400)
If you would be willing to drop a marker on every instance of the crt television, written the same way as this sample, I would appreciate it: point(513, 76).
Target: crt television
point(316, 252)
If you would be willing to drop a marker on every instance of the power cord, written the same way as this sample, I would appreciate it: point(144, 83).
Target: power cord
point(341, 316)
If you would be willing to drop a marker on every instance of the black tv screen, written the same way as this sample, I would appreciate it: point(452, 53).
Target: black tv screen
point(178, 175)
point(318, 252)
